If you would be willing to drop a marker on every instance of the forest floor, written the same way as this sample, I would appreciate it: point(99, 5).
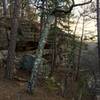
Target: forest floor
point(16, 90)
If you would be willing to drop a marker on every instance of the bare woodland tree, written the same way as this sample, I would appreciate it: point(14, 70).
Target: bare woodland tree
point(12, 43)
point(4, 7)
point(98, 30)
point(42, 41)
point(42, 19)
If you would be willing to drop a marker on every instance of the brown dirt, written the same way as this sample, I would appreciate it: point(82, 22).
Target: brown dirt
point(16, 90)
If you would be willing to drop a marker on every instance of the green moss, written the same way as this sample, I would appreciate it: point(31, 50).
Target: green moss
point(51, 84)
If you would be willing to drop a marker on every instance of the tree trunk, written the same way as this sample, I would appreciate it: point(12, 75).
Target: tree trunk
point(12, 42)
point(4, 7)
point(80, 50)
point(98, 30)
point(42, 41)
point(5, 16)
point(54, 49)
point(42, 19)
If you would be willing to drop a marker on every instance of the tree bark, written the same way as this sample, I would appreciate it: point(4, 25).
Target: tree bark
point(54, 49)
point(42, 19)
point(4, 7)
point(12, 42)
point(42, 41)
point(98, 30)
point(80, 49)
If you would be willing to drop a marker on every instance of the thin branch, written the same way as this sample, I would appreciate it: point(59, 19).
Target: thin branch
point(70, 9)
point(81, 4)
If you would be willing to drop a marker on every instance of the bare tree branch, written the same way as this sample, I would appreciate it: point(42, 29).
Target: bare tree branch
point(70, 9)
point(81, 4)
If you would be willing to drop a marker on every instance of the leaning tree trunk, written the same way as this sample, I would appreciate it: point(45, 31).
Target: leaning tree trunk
point(12, 42)
point(42, 19)
point(42, 41)
point(98, 30)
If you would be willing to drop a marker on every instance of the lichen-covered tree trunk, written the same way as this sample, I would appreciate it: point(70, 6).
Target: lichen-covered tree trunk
point(42, 19)
point(42, 41)
point(12, 42)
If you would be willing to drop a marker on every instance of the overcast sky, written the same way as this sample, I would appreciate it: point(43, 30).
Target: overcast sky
point(90, 26)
